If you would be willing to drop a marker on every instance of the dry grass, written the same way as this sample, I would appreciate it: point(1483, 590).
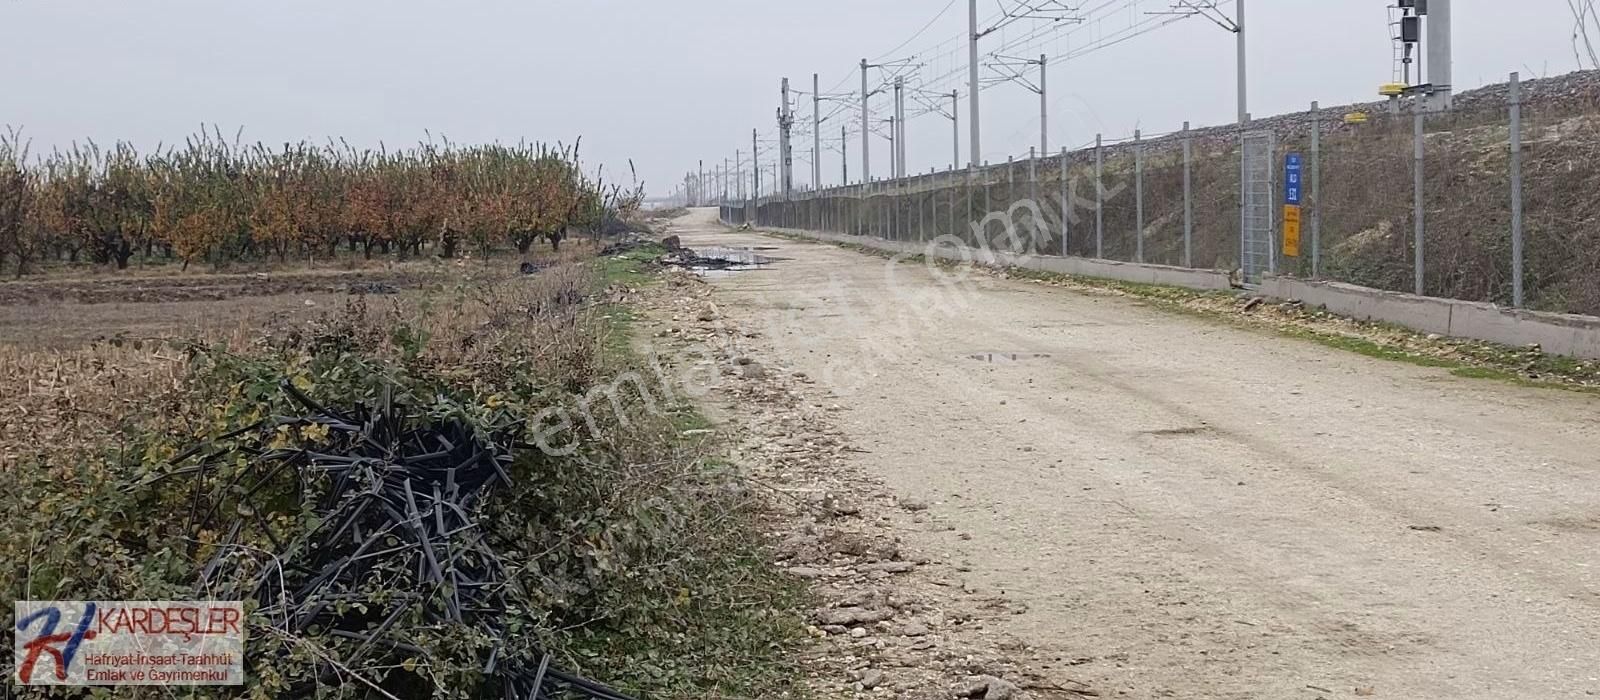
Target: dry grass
point(636, 511)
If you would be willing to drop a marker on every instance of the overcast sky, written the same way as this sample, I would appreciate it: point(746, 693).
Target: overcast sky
point(668, 82)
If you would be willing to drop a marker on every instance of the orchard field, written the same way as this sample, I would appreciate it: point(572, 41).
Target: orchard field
point(165, 317)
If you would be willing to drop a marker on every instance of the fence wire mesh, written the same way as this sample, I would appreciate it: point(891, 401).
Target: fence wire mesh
point(1365, 202)
point(1561, 174)
point(1359, 203)
point(1163, 201)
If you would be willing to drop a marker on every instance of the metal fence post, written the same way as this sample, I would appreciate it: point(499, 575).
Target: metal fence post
point(1033, 193)
point(1099, 198)
point(897, 218)
point(984, 175)
point(1517, 299)
point(886, 190)
point(891, 212)
point(886, 187)
point(916, 203)
point(872, 218)
point(1316, 190)
point(1011, 190)
point(968, 224)
point(1417, 187)
point(1033, 173)
point(1188, 198)
point(948, 184)
point(1244, 196)
point(855, 224)
point(1138, 197)
point(1066, 204)
point(922, 215)
point(869, 223)
point(869, 219)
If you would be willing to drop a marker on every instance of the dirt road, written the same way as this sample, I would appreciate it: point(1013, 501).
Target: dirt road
point(1192, 510)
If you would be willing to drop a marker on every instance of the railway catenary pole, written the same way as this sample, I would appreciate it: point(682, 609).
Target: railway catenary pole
point(972, 79)
point(866, 128)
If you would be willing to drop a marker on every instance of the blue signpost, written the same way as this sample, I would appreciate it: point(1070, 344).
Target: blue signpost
point(1291, 166)
point(1291, 205)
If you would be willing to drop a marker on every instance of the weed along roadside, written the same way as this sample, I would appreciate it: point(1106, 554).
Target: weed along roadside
point(382, 490)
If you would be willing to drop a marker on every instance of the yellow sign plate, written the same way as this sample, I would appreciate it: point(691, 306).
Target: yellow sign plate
point(1291, 230)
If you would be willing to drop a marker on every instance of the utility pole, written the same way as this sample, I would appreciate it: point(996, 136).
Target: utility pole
point(785, 160)
point(738, 171)
point(844, 157)
point(1034, 11)
point(1015, 70)
point(1438, 52)
point(1244, 94)
point(816, 135)
point(899, 126)
point(955, 125)
point(894, 143)
point(700, 185)
point(755, 163)
point(1044, 107)
point(866, 125)
point(972, 78)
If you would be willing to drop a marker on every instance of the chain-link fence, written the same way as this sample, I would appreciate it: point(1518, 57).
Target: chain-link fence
point(1456, 203)
point(1560, 175)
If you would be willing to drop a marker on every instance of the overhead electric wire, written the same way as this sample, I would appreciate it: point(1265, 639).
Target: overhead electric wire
point(949, 67)
point(919, 33)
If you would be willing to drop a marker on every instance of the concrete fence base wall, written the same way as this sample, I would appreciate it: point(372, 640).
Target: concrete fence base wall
point(1561, 334)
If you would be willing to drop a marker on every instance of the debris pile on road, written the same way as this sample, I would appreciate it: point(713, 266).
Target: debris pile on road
point(625, 244)
point(709, 259)
point(394, 582)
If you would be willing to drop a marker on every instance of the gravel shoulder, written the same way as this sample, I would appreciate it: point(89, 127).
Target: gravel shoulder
point(1169, 507)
